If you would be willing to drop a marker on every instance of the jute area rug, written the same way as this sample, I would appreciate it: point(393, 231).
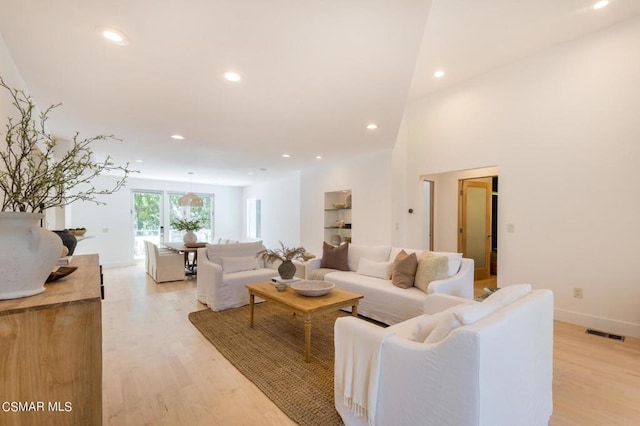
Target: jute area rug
point(271, 355)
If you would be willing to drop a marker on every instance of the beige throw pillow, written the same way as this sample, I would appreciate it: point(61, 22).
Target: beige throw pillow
point(404, 269)
point(430, 268)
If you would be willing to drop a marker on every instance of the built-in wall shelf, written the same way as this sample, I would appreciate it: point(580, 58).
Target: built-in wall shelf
point(337, 216)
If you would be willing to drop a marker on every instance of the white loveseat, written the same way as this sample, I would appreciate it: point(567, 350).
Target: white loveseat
point(478, 363)
point(225, 269)
point(382, 300)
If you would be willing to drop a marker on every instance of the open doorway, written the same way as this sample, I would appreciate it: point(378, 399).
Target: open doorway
point(446, 215)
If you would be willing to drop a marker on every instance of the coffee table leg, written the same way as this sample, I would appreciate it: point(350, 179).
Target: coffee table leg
point(354, 309)
point(252, 299)
point(307, 337)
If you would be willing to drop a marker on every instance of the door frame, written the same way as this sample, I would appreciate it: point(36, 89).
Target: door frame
point(479, 272)
point(431, 210)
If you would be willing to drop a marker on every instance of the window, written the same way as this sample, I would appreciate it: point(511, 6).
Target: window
point(204, 214)
point(154, 211)
point(254, 226)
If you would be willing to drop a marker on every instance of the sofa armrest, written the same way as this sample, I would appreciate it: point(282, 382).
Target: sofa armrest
point(208, 279)
point(461, 284)
point(312, 264)
point(438, 302)
point(357, 346)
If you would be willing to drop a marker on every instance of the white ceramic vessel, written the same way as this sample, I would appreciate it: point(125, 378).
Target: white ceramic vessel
point(313, 288)
point(28, 254)
point(190, 237)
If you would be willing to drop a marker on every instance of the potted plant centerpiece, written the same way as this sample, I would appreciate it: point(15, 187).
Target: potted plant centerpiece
point(189, 226)
point(286, 255)
point(35, 175)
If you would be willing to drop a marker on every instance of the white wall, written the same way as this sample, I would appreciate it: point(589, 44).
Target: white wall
point(280, 204)
point(13, 79)
point(562, 127)
point(111, 225)
point(369, 177)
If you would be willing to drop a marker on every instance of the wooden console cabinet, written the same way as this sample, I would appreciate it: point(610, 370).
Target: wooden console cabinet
point(51, 352)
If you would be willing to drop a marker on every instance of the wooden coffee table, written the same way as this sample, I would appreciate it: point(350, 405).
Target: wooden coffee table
point(305, 306)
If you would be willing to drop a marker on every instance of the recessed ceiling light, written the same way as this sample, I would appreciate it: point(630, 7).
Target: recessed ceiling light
point(318, 157)
point(438, 74)
point(372, 126)
point(232, 76)
point(600, 4)
point(114, 36)
point(286, 155)
point(179, 137)
point(139, 161)
point(250, 173)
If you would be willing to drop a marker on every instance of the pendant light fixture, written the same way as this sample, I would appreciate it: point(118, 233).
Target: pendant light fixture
point(190, 199)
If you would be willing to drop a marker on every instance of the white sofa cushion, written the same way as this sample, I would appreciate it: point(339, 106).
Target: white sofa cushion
point(446, 324)
point(239, 264)
point(383, 301)
point(466, 314)
point(472, 312)
point(396, 250)
point(509, 294)
point(425, 326)
point(374, 269)
point(215, 252)
point(375, 253)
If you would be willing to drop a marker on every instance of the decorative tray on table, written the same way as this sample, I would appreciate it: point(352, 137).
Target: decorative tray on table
point(312, 287)
point(60, 272)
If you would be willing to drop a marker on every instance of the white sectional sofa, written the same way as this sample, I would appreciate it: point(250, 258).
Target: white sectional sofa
point(382, 300)
point(225, 269)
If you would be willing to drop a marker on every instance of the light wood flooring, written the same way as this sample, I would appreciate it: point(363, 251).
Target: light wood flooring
point(159, 370)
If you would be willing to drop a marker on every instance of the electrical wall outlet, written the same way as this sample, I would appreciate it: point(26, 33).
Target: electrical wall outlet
point(577, 293)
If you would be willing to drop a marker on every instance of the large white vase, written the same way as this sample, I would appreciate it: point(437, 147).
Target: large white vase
point(190, 237)
point(28, 254)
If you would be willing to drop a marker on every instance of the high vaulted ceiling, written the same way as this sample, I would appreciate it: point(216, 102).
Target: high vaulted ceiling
point(314, 72)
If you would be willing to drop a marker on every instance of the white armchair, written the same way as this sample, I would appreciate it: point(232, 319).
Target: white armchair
point(163, 265)
point(225, 269)
point(493, 369)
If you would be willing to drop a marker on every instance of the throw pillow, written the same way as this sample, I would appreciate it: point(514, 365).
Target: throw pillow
point(473, 312)
point(424, 327)
point(509, 294)
point(239, 264)
point(455, 260)
point(404, 269)
point(374, 269)
point(375, 253)
point(445, 325)
point(430, 268)
point(335, 257)
point(460, 315)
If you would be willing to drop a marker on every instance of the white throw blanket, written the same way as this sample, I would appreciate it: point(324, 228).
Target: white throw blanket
point(356, 370)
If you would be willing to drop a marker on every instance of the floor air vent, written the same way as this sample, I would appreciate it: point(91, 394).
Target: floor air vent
point(603, 334)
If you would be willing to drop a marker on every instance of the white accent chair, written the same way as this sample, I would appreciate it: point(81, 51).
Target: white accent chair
point(225, 269)
point(164, 265)
point(494, 368)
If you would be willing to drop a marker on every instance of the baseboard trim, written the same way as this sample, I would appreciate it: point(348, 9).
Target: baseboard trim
point(598, 323)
